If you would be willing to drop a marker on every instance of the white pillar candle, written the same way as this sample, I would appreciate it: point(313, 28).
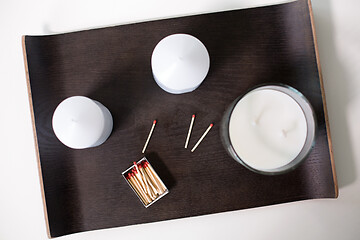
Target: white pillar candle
point(268, 128)
point(180, 63)
point(80, 122)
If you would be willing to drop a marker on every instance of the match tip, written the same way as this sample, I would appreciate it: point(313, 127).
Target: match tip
point(154, 122)
point(211, 125)
point(193, 115)
point(134, 163)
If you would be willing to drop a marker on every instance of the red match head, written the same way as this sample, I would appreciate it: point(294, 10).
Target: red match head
point(154, 122)
point(193, 115)
point(211, 125)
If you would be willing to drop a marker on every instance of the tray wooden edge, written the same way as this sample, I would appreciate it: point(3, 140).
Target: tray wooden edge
point(35, 135)
point(323, 99)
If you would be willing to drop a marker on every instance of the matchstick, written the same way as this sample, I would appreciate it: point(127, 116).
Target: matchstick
point(189, 132)
point(202, 137)
point(141, 178)
point(154, 176)
point(148, 138)
point(137, 184)
point(156, 188)
point(137, 173)
point(131, 181)
point(148, 181)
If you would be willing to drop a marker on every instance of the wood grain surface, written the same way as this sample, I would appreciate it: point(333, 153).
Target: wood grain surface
point(84, 190)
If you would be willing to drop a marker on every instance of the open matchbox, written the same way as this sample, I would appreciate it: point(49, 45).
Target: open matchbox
point(129, 170)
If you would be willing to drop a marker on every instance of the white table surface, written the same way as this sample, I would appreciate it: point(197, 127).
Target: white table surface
point(21, 210)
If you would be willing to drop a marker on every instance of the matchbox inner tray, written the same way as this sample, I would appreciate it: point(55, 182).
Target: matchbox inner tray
point(84, 189)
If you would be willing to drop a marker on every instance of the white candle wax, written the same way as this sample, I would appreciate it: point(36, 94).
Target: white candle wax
point(80, 122)
point(180, 63)
point(267, 129)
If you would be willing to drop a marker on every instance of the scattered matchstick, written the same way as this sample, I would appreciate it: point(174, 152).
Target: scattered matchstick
point(148, 138)
point(202, 137)
point(189, 132)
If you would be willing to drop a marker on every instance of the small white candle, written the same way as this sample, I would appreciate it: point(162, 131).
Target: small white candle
point(80, 122)
point(267, 129)
point(180, 63)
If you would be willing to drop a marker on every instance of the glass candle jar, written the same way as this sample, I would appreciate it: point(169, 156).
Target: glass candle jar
point(270, 129)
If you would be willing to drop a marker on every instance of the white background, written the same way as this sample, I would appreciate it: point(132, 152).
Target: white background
point(21, 210)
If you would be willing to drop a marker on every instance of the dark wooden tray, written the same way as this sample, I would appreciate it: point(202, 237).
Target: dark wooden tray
point(84, 190)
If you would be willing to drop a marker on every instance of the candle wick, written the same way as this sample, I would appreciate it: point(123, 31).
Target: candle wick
point(285, 132)
point(256, 121)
